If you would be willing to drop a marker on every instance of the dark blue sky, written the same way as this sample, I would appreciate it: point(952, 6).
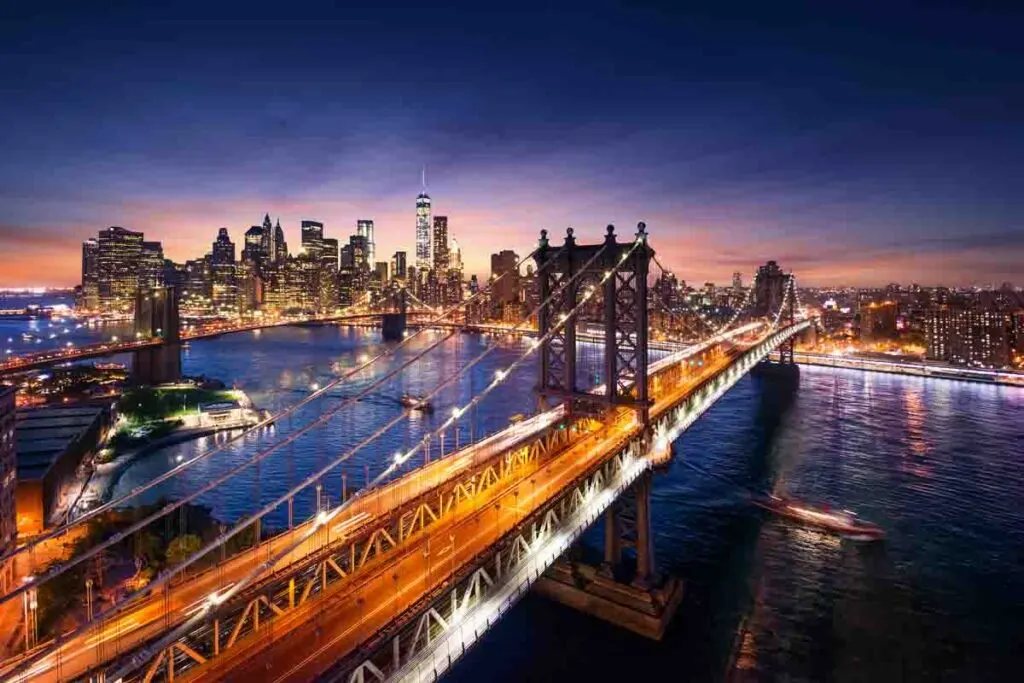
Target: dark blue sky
point(854, 145)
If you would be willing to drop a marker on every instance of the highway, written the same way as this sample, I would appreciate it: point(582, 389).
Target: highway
point(351, 621)
point(34, 361)
point(154, 614)
point(304, 643)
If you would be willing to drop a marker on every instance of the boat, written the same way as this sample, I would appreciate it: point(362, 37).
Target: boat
point(416, 403)
point(844, 522)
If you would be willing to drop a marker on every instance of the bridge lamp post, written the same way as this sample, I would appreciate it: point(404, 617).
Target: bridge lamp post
point(30, 603)
point(395, 578)
point(88, 600)
point(426, 562)
point(451, 555)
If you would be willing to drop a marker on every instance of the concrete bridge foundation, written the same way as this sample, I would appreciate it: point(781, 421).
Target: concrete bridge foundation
point(158, 365)
point(644, 605)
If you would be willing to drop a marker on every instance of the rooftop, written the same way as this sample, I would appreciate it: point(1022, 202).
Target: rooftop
point(43, 435)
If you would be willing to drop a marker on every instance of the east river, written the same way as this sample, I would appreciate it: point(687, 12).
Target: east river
point(938, 464)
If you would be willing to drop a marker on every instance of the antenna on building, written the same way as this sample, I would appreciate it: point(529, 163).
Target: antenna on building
point(423, 178)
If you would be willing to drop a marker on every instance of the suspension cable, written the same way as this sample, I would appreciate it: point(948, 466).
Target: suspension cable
point(782, 305)
point(272, 448)
point(287, 412)
point(326, 517)
point(736, 314)
point(312, 479)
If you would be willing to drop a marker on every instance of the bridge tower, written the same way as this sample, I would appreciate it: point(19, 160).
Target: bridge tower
point(786, 349)
point(393, 324)
point(625, 319)
point(647, 604)
point(156, 316)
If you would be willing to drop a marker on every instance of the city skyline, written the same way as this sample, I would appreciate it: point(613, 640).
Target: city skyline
point(860, 147)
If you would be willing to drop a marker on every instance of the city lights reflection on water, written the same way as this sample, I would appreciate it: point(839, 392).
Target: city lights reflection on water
point(929, 460)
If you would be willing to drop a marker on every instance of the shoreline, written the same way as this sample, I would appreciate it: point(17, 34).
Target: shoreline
point(913, 369)
point(103, 477)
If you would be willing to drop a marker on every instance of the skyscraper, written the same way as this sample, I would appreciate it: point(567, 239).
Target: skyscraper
point(118, 268)
point(878, 320)
point(455, 255)
point(440, 242)
point(91, 274)
point(280, 246)
point(329, 254)
point(398, 265)
point(151, 266)
point(223, 274)
point(737, 282)
point(770, 289)
point(253, 248)
point(312, 237)
point(197, 278)
point(364, 227)
point(359, 249)
point(506, 290)
point(223, 248)
point(423, 231)
point(269, 242)
point(8, 482)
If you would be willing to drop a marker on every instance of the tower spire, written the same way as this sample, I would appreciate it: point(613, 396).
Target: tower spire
point(423, 178)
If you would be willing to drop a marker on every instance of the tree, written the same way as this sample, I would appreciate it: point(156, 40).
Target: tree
point(181, 547)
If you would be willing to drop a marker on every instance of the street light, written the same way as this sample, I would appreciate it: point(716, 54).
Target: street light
point(30, 603)
point(88, 600)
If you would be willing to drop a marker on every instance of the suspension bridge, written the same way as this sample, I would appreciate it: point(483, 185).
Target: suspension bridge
point(398, 579)
point(147, 341)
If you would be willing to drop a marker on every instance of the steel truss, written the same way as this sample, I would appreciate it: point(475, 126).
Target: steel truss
point(623, 269)
point(431, 636)
point(673, 421)
point(253, 611)
point(506, 570)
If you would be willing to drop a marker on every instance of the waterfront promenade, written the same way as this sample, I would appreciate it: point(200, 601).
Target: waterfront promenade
point(899, 366)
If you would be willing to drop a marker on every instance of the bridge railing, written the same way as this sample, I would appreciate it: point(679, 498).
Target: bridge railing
point(441, 630)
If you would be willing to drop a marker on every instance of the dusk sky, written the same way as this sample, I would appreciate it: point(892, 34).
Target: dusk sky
point(854, 146)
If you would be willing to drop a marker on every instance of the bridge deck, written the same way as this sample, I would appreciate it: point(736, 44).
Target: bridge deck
point(154, 614)
point(363, 604)
point(364, 609)
point(425, 563)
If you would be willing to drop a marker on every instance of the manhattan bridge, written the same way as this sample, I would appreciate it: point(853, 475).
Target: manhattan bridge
point(395, 580)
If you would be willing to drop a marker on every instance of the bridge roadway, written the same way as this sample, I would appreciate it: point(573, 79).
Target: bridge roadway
point(302, 645)
point(161, 611)
point(42, 359)
point(155, 614)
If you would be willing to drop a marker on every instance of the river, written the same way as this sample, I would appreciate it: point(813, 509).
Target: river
point(937, 463)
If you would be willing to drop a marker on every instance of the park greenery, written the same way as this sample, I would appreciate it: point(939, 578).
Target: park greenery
point(145, 405)
point(151, 413)
point(143, 554)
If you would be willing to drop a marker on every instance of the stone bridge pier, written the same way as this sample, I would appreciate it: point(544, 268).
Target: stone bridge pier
point(156, 317)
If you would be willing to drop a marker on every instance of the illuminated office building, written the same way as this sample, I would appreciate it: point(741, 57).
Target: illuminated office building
point(423, 231)
point(440, 243)
point(118, 259)
point(364, 228)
